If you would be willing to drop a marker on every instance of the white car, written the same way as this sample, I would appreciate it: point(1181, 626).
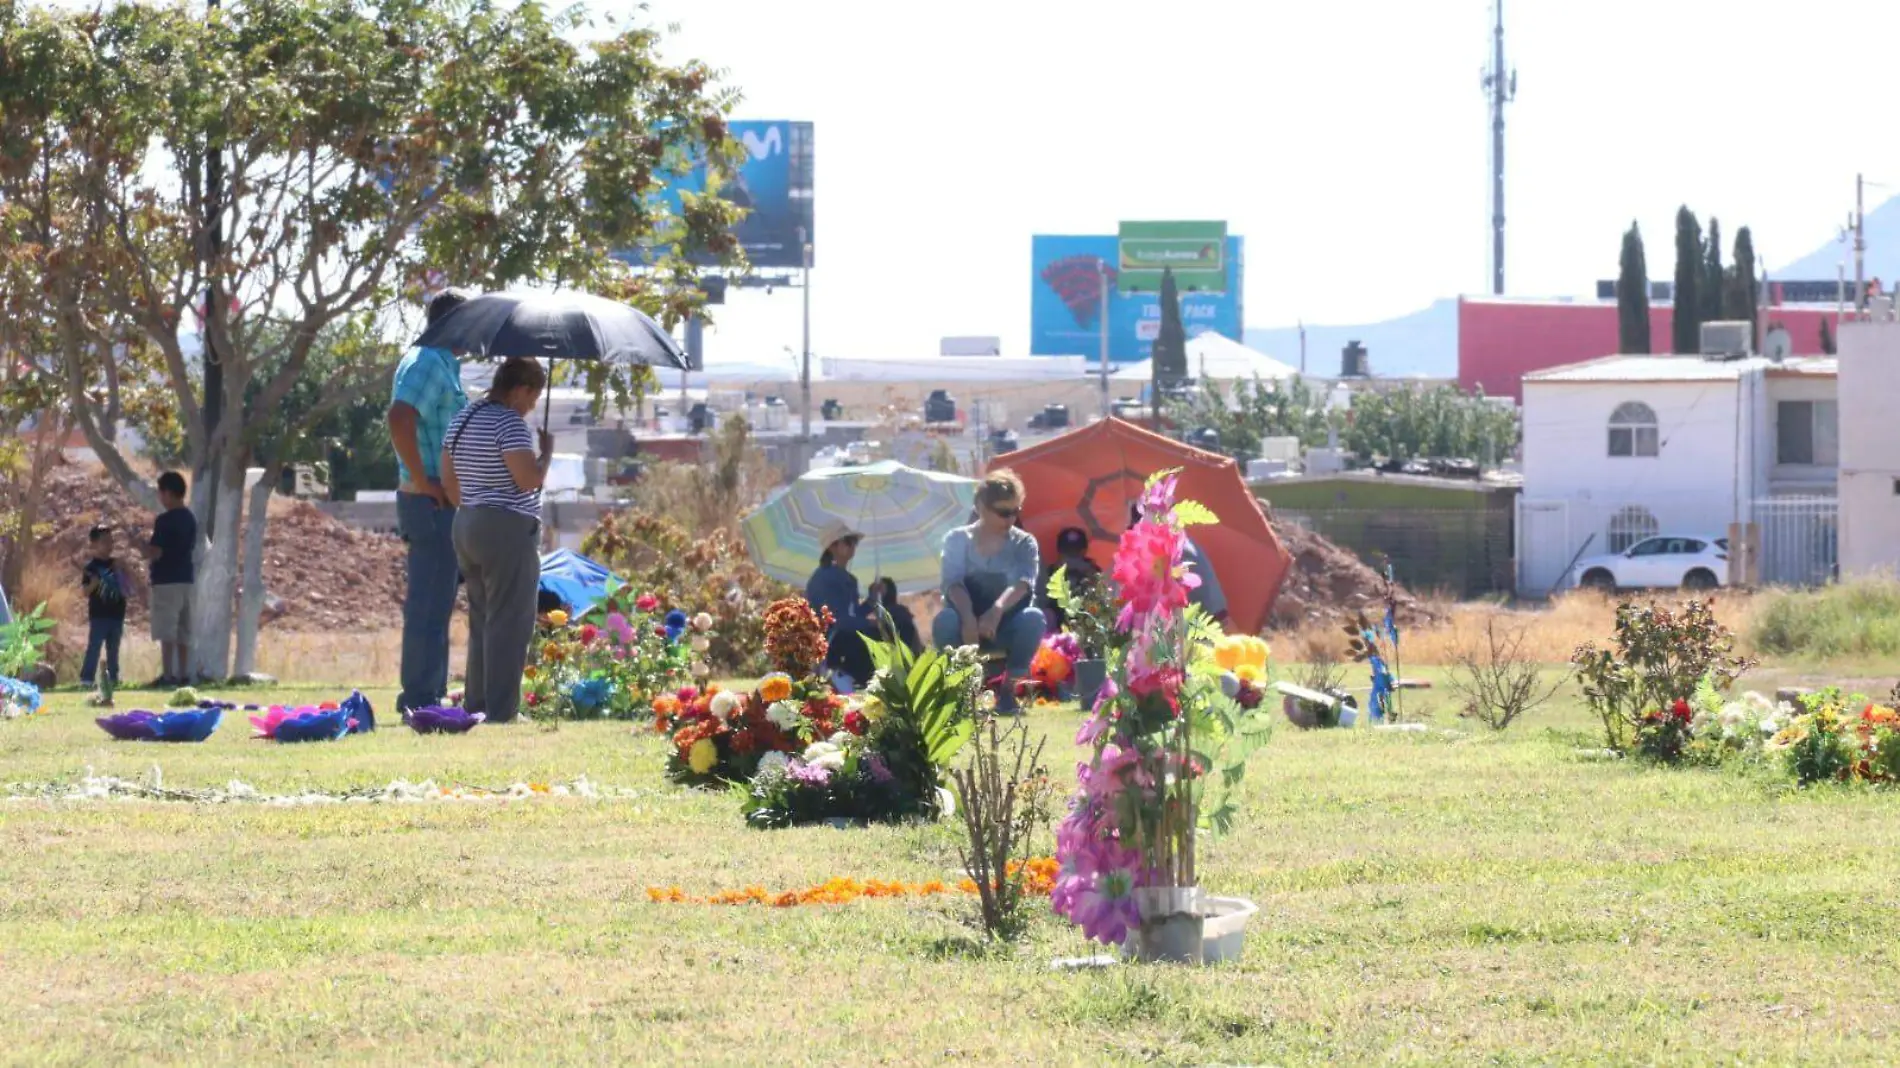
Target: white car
point(1691, 563)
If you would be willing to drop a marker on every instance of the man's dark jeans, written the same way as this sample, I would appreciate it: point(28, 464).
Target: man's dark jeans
point(429, 603)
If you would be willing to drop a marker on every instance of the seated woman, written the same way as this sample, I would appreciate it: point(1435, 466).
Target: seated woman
point(834, 587)
point(903, 628)
point(989, 578)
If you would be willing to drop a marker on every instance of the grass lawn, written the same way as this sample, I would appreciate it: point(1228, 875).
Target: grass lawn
point(1424, 898)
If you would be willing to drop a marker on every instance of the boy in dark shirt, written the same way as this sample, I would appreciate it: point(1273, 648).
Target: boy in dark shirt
point(105, 588)
point(174, 540)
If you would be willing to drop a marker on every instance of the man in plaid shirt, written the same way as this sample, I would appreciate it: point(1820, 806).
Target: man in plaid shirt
point(426, 396)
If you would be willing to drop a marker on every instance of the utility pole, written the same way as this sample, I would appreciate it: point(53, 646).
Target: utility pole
point(804, 371)
point(1860, 246)
point(1500, 85)
point(1302, 348)
point(1101, 274)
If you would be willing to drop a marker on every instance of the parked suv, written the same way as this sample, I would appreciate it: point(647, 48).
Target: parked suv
point(1692, 563)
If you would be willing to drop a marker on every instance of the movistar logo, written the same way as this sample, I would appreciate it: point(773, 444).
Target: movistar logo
point(763, 147)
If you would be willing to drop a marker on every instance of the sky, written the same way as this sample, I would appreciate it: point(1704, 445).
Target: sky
point(1347, 141)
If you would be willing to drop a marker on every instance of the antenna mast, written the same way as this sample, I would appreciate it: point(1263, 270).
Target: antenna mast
point(1500, 86)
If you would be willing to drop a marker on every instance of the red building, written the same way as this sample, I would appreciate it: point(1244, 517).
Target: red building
point(1500, 340)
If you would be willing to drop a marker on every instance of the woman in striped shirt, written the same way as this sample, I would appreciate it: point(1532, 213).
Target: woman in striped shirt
point(493, 473)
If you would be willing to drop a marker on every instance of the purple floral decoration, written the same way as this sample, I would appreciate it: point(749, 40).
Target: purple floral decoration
point(441, 719)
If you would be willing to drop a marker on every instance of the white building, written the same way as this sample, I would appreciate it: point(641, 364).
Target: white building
point(1870, 447)
point(1625, 447)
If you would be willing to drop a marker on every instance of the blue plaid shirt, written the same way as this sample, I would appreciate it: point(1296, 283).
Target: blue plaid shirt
point(430, 381)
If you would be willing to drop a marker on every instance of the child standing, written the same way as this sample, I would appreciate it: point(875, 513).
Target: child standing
point(105, 609)
point(174, 540)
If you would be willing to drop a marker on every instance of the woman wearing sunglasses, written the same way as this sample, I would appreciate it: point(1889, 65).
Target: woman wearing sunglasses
point(989, 574)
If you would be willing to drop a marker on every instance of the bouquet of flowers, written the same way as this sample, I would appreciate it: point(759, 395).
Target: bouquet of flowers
point(721, 736)
point(795, 636)
point(1168, 744)
point(18, 698)
point(607, 670)
point(1053, 668)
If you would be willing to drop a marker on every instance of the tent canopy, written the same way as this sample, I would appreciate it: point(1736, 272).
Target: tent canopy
point(579, 582)
point(1222, 359)
point(1089, 476)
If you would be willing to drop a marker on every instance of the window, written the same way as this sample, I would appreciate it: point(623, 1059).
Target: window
point(1808, 433)
point(1633, 430)
point(1631, 525)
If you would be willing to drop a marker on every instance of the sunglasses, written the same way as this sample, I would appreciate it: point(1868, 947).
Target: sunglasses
point(1006, 513)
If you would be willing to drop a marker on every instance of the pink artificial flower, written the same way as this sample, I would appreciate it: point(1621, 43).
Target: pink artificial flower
point(1164, 680)
point(1148, 570)
point(1105, 695)
point(646, 602)
point(1091, 730)
point(1121, 766)
point(1106, 910)
point(1065, 644)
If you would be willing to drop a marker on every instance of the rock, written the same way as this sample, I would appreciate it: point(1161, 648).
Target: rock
point(42, 676)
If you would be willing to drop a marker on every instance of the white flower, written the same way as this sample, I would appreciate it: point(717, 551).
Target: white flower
point(773, 763)
point(824, 755)
point(784, 714)
point(723, 704)
point(701, 643)
point(702, 622)
point(701, 669)
point(842, 739)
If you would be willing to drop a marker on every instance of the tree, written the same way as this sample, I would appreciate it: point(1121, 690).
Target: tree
point(1170, 344)
point(1632, 295)
point(1687, 319)
point(1251, 411)
point(1407, 424)
point(260, 173)
point(1827, 338)
point(1714, 282)
point(1744, 286)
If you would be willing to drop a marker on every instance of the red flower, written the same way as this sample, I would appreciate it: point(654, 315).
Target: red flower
point(588, 633)
point(1681, 711)
point(534, 699)
point(688, 694)
point(855, 722)
point(647, 603)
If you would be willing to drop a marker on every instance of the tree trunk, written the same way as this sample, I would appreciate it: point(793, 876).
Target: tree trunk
point(251, 604)
point(212, 600)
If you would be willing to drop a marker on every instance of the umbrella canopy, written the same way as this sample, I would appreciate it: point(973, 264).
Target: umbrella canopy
point(902, 512)
point(579, 582)
point(1089, 476)
point(554, 326)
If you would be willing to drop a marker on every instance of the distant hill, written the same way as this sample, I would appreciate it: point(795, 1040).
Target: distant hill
point(1883, 252)
point(1422, 343)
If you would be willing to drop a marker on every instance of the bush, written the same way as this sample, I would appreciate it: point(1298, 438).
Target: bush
point(1497, 679)
point(1660, 658)
point(1858, 619)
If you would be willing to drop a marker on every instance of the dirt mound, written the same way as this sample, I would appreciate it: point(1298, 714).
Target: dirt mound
point(322, 575)
point(1329, 585)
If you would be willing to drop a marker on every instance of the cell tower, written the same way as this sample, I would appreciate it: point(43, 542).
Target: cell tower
point(1500, 88)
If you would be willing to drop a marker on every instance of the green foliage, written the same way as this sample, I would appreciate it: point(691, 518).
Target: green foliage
point(1714, 278)
point(1405, 424)
point(1089, 611)
point(1822, 745)
point(1658, 656)
point(23, 640)
point(346, 431)
point(1632, 295)
point(1686, 321)
point(1742, 296)
point(932, 695)
point(1251, 411)
point(1852, 620)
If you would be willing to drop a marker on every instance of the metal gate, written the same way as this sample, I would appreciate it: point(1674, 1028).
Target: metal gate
point(1543, 545)
point(1800, 540)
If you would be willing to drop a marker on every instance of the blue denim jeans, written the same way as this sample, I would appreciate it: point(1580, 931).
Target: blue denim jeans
point(102, 634)
point(429, 602)
point(1018, 635)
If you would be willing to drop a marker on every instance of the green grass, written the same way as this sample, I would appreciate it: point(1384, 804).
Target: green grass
point(1858, 620)
point(1424, 899)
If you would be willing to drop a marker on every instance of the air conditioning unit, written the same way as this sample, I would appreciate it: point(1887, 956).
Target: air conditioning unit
point(1728, 339)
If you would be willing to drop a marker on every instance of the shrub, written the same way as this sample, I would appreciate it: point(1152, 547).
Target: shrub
point(1003, 796)
point(1858, 619)
point(1659, 656)
point(1498, 680)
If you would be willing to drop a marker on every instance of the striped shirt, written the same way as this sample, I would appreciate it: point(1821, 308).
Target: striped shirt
point(430, 381)
point(476, 441)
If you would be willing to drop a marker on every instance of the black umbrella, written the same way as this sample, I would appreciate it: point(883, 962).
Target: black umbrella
point(553, 326)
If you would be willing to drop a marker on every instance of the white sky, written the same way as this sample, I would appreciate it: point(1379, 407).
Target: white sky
point(1346, 140)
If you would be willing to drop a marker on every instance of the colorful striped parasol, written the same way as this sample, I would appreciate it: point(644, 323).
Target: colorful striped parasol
point(902, 512)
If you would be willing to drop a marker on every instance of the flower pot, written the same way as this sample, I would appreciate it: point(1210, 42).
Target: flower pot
point(1172, 925)
point(1224, 928)
point(1089, 677)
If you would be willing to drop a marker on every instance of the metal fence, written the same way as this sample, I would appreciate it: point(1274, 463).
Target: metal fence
point(1797, 538)
point(1464, 552)
point(1800, 540)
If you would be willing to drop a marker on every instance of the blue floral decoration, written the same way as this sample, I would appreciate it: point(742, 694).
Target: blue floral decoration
point(21, 692)
point(591, 694)
point(675, 623)
point(357, 707)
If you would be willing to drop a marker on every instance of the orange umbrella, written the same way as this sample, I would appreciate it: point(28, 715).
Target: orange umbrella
point(1089, 476)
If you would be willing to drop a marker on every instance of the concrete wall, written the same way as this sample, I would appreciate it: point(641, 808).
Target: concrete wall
point(1870, 448)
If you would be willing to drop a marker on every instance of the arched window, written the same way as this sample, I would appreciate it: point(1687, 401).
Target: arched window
point(1633, 430)
point(1630, 525)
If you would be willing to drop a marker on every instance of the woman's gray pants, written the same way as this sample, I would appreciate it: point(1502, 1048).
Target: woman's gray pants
point(500, 554)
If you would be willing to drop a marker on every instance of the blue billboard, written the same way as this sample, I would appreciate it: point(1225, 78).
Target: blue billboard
point(774, 185)
point(1068, 272)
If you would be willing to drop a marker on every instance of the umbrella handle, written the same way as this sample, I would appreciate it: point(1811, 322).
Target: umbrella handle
point(547, 402)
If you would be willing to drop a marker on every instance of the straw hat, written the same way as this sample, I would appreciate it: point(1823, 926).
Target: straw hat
point(836, 531)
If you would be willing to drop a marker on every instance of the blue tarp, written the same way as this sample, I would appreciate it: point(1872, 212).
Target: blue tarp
point(575, 579)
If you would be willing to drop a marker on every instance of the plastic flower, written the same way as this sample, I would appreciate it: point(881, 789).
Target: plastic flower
point(675, 624)
point(703, 756)
point(807, 774)
point(724, 704)
point(590, 694)
point(646, 602)
point(773, 762)
point(1148, 570)
point(776, 687)
point(1105, 909)
point(784, 714)
point(557, 618)
point(588, 633)
point(855, 722)
point(824, 755)
point(552, 651)
point(702, 622)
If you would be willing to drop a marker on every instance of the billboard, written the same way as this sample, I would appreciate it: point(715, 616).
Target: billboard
point(1196, 251)
point(774, 185)
point(1067, 276)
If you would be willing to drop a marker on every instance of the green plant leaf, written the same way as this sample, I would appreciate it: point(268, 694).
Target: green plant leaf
point(1194, 514)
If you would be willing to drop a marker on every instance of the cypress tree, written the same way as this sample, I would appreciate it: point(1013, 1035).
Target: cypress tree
point(1713, 282)
point(1686, 335)
point(1632, 296)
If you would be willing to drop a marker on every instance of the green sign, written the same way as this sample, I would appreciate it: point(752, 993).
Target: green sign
point(1195, 251)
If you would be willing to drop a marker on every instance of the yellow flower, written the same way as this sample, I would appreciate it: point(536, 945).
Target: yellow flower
point(529, 672)
point(775, 688)
point(557, 618)
point(873, 708)
point(702, 756)
point(1250, 673)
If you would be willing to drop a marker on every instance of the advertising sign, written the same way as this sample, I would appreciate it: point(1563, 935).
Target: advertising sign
point(774, 185)
point(1196, 251)
point(1068, 273)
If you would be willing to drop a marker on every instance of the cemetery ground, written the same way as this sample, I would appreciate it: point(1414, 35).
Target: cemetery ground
point(1451, 895)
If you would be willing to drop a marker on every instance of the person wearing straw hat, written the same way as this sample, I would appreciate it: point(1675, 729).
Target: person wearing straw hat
point(834, 587)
